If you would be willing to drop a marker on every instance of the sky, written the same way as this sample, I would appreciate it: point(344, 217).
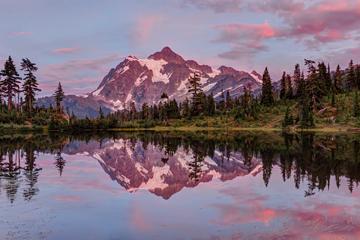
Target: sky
point(76, 42)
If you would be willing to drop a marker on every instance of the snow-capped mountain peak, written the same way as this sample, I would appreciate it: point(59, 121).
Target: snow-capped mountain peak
point(143, 80)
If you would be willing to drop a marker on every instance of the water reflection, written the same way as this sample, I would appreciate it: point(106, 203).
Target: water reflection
point(18, 170)
point(166, 163)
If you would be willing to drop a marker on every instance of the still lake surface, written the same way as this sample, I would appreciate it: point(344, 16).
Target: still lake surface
point(148, 185)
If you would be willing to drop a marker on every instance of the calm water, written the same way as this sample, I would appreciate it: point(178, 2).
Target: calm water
point(172, 186)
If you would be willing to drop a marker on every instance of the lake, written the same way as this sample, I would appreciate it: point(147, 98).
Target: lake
point(168, 185)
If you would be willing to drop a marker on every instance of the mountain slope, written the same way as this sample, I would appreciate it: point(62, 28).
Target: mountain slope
point(144, 80)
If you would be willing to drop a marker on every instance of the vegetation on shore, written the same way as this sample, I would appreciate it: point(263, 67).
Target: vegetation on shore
point(320, 100)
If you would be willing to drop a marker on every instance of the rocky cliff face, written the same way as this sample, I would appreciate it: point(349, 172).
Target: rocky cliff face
point(144, 80)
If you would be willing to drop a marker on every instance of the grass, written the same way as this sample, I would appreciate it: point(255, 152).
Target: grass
point(335, 119)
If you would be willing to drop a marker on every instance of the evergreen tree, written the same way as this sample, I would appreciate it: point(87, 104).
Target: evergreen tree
point(132, 111)
point(328, 81)
point(301, 87)
point(195, 90)
point(356, 111)
point(322, 80)
point(10, 82)
point(338, 80)
point(267, 93)
point(59, 97)
point(155, 112)
point(297, 80)
point(305, 110)
point(228, 101)
point(164, 96)
point(351, 77)
point(314, 86)
point(283, 86)
point(221, 104)
point(173, 110)
point(145, 111)
point(245, 109)
point(290, 92)
point(30, 86)
point(211, 105)
point(186, 112)
point(101, 113)
point(358, 77)
point(288, 119)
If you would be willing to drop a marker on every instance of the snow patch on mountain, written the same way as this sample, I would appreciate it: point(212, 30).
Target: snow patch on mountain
point(157, 68)
point(214, 73)
point(140, 80)
point(209, 86)
point(128, 98)
point(122, 70)
point(97, 92)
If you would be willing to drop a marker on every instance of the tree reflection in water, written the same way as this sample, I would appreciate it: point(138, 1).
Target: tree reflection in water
point(310, 158)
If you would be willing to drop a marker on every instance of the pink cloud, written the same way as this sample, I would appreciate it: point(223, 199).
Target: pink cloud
point(311, 23)
point(245, 39)
point(65, 50)
point(322, 22)
point(17, 34)
point(144, 28)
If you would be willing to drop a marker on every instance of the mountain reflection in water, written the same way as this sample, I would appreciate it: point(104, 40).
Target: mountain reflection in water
point(166, 163)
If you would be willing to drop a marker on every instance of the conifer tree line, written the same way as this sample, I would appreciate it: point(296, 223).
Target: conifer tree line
point(198, 104)
point(305, 87)
point(18, 95)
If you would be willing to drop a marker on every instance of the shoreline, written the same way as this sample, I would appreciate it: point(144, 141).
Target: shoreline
point(325, 129)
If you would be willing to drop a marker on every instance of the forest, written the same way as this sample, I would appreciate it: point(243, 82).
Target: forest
point(317, 97)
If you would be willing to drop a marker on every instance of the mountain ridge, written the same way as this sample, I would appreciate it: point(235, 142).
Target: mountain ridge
point(143, 80)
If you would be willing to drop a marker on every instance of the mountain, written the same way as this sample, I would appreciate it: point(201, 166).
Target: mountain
point(144, 80)
point(137, 166)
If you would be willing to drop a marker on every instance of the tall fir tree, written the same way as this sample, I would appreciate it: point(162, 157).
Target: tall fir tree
point(145, 111)
point(338, 84)
point(267, 97)
point(228, 101)
point(323, 84)
point(10, 82)
point(290, 91)
point(329, 81)
point(297, 81)
point(283, 86)
point(59, 97)
point(195, 90)
point(30, 86)
point(314, 85)
point(186, 111)
point(357, 71)
point(211, 106)
point(221, 103)
point(350, 78)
